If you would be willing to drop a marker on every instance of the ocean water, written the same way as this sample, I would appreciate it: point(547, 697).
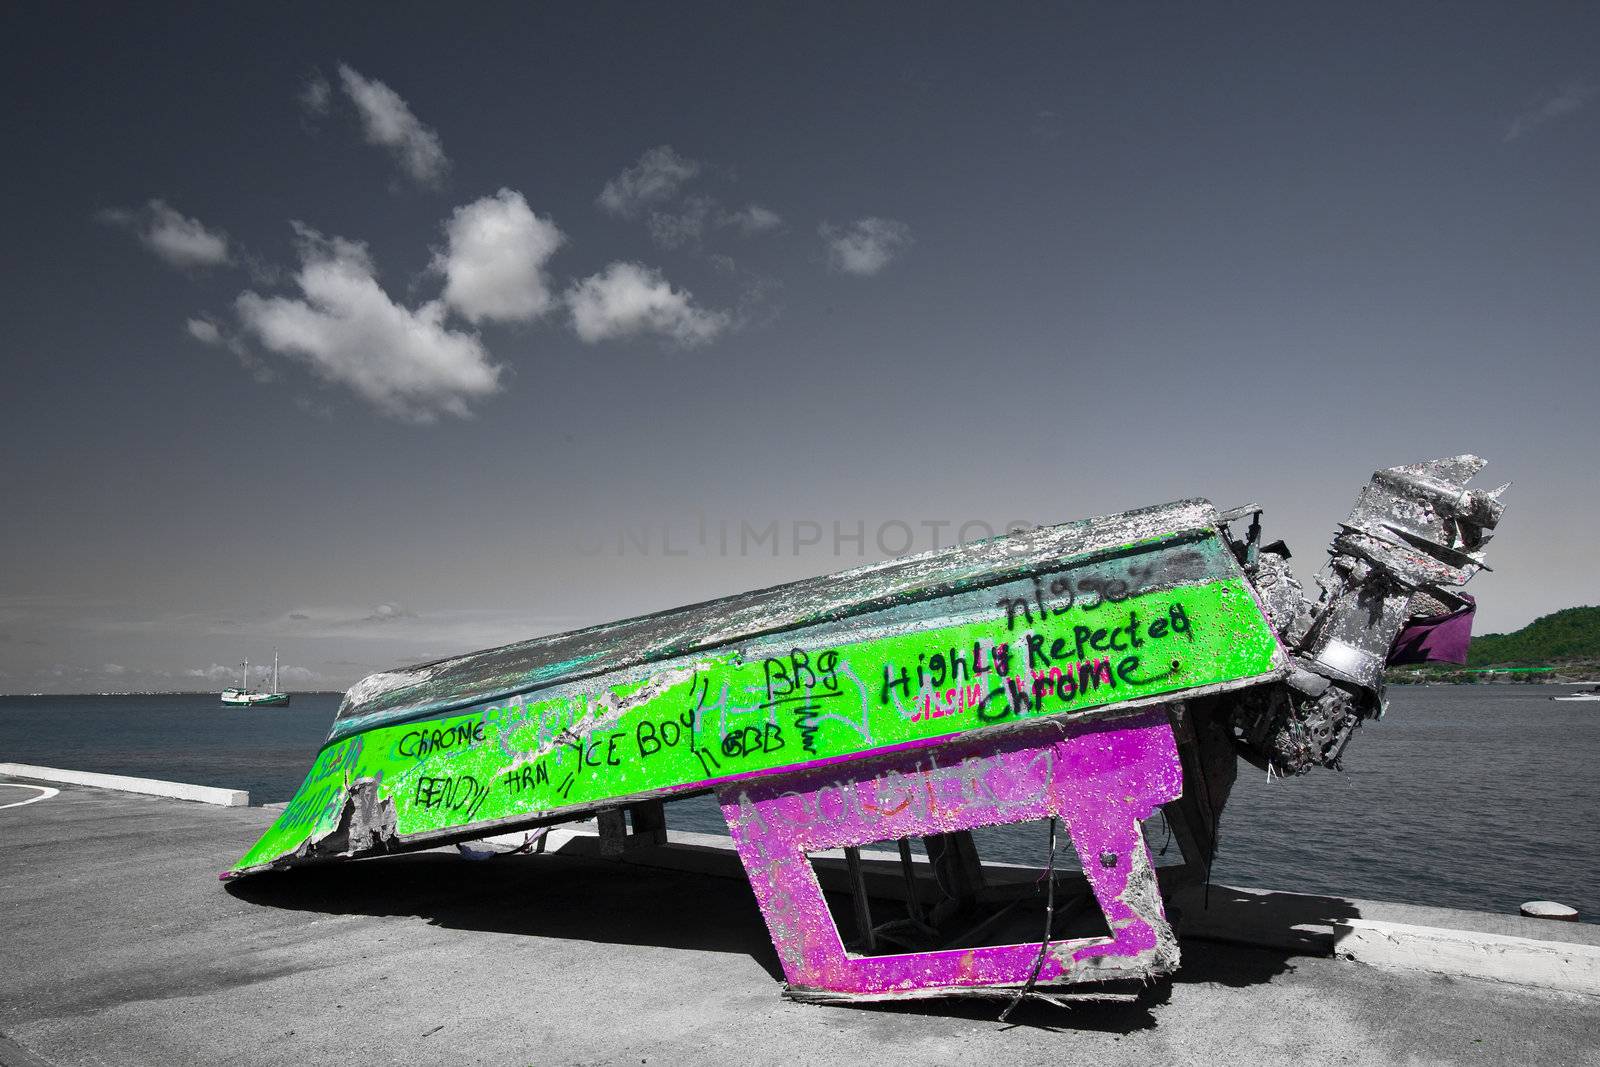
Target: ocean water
point(1462, 796)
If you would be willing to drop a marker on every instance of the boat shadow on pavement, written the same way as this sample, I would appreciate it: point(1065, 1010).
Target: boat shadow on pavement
point(581, 899)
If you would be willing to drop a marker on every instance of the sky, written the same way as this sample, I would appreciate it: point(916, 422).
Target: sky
point(374, 335)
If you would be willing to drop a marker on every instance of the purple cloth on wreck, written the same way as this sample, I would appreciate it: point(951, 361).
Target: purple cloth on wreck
point(1435, 638)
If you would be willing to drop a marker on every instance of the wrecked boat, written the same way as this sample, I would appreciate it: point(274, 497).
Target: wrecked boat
point(1091, 676)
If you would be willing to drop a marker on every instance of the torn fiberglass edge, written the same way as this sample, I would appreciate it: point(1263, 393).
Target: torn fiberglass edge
point(1088, 673)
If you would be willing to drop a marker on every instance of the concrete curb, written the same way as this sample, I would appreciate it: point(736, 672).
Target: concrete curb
point(204, 794)
point(1558, 965)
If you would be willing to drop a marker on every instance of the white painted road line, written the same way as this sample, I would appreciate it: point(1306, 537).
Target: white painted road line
point(45, 793)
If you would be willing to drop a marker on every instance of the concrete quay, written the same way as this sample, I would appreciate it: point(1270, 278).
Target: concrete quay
point(119, 946)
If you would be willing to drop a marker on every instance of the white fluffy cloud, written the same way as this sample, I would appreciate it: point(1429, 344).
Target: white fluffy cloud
point(178, 239)
point(405, 362)
point(657, 177)
point(865, 246)
point(388, 121)
point(495, 266)
point(628, 299)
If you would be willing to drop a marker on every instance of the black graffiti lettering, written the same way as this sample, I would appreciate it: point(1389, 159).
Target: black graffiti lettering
point(797, 676)
point(753, 741)
point(422, 742)
point(430, 791)
point(651, 737)
point(644, 736)
point(1058, 587)
point(828, 670)
point(776, 673)
point(453, 793)
point(1090, 675)
point(893, 682)
point(994, 706)
point(1107, 590)
point(804, 676)
point(806, 725)
point(1180, 621)
point(1036, 653)
point(1014, 606)
point(1130, 664)
point(597, 750)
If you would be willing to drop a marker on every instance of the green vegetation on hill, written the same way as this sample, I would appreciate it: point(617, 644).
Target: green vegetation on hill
point(1568, 635)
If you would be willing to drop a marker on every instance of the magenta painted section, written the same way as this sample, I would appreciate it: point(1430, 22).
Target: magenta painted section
point(1102, 778)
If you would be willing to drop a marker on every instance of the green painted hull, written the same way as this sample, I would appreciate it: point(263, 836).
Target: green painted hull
point(1080, 621)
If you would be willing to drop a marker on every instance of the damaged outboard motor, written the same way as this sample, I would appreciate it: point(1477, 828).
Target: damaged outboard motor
point(1414, 538)
point(1086, 676)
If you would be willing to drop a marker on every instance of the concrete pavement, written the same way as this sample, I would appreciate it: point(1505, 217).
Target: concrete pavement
point(119, 946)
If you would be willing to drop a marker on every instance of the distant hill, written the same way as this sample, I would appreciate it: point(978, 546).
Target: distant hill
point(1569, 634)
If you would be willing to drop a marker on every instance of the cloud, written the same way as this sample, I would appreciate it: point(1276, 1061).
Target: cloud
point(495, 265)
point(204, 331)
point(406, 363)
point(178, 239)
point(866, 246)
point(390, 613)
point(670, 229)
point(1567, 102)
point(463, 629)
point(656, 178)
point(316, 95)
point(387, 121)
point(628, 299)
point(261, 674)
point(752, 220)
point(686, 225)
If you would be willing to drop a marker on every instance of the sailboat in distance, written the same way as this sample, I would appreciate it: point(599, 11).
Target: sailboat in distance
point(243, 697)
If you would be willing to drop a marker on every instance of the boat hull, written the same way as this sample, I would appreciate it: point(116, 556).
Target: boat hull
point(234, 698)
point(1118, 624)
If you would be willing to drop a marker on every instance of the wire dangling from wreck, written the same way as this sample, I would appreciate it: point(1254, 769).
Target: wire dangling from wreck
point(1049, 927)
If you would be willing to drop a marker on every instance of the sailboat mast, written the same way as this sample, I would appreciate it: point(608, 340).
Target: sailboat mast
point(275, 670)
point(247, 676)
